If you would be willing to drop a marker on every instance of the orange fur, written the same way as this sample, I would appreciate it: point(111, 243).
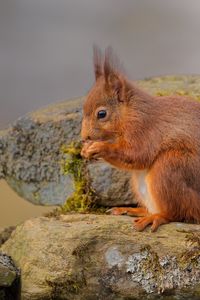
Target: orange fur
point(157, 138)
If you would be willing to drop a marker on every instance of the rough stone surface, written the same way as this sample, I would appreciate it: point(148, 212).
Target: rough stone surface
point(9, 278)
point(31, 155)
point(110, 184)
point(8, 272)
point(5, 234)
point(103, 257)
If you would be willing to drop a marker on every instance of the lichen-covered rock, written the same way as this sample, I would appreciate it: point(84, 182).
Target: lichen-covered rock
point(31, 149)
point(103, 257)
point(9, 278)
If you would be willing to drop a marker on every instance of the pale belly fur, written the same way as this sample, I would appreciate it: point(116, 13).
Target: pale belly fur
point(142, 189)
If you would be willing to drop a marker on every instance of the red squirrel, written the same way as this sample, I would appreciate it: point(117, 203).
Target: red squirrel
point(157, 139)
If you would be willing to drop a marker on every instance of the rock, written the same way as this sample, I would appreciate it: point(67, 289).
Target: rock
point(5, 234)
point(9, 278)
point(103, 257)
point(110, 184)
point(31, 150)
point(31, 155)
point(7, 271)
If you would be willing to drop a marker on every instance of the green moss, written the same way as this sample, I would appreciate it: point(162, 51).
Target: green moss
point(84, 198)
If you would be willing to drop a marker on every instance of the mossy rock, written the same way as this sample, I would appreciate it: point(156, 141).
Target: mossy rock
point(31, 150)
point(85, 256)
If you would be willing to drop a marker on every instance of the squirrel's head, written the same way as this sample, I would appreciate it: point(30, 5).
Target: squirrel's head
point(107, 102)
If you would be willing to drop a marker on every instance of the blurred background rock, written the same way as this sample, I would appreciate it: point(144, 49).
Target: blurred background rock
point(46, 54)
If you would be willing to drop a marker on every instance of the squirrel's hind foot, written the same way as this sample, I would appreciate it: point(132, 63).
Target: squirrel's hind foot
point(156, 220)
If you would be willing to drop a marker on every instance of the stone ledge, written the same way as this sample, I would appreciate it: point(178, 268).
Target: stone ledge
point(81, 256)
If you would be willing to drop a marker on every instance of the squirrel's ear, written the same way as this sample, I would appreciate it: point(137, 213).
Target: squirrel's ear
point(114, 83)
point(97, 59)
point(112, 76)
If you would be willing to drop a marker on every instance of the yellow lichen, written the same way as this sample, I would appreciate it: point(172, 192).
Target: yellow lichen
point(162, 93)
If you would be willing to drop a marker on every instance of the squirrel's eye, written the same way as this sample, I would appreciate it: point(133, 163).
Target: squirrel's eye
point(101, 114)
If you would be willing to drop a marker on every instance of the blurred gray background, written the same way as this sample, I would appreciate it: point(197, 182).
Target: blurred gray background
point(46, 45)
point(46, 55)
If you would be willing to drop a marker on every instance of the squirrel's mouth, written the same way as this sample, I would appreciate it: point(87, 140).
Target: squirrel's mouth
point(94, 160)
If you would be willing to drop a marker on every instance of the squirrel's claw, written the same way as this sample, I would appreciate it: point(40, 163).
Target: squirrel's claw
point(116, 211)
point(156, 220)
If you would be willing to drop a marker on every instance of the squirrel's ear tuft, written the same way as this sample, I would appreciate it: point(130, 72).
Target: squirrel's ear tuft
point(111, 63)
point(112, 69)
point(97, 59)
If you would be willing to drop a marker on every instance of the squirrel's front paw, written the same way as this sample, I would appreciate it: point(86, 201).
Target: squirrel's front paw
point(92, 150)
point(84, 150)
